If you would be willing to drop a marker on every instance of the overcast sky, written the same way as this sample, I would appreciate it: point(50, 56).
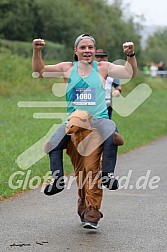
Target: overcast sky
point(155, 11)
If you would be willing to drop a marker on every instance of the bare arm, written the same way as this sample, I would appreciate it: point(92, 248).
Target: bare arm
point(127, 71)
point(128, 48)
point(57, 70)
point(117, 86)
point(37, 62)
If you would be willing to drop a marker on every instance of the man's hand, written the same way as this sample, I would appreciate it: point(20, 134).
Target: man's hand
point(128, 48)
point(38, 44)
point(116, 92)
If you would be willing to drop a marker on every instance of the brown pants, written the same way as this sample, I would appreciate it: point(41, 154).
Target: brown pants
point(85, 154)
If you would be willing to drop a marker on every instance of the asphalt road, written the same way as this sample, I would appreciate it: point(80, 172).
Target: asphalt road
point(134, 219)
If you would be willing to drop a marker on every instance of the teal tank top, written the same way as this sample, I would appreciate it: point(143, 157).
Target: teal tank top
point(86, 93)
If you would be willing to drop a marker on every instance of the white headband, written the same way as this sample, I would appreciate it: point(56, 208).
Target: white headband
point(85, 35)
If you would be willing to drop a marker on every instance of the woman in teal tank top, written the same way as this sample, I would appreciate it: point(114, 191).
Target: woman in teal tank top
point(86, 93)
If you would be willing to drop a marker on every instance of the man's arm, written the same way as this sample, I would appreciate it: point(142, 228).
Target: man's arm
point(116, 84)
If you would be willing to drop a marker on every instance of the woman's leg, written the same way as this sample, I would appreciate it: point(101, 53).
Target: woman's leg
point(107, 128)
point(57, 143)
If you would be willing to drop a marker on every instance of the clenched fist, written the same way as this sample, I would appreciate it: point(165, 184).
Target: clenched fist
point(38, 44)
point(116, 93)
point(128, 48)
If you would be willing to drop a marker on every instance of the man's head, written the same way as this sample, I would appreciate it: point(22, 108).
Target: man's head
point(101, 55)
point(84, 48)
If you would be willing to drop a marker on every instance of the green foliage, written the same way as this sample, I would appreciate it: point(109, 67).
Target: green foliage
point(54, 51)
point(16, 77)
point(72, 18)
point(61, 21)
point(22, 48)
point(19, 20)
point(155, 50)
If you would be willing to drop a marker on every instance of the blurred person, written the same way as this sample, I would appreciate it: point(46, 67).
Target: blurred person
point(101, 55)
point(153, 70)
point(161, 68)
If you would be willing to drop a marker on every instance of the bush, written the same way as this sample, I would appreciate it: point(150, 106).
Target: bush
point(52, 51)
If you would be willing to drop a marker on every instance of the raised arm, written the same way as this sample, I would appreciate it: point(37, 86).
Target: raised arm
point(129, 69)
point(129, 49)
point(48, 71)
point(37, 62)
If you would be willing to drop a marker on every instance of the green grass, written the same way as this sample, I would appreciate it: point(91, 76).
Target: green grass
point(148, 122)
point(19, 130)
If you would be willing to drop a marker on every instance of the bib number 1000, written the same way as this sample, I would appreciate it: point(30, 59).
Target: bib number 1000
point(84, 96)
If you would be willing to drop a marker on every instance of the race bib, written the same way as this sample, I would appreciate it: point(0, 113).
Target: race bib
point(84, 96)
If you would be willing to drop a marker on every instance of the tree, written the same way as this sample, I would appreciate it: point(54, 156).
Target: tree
point(19, 20)
point(61, 21)
point(155, 50)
